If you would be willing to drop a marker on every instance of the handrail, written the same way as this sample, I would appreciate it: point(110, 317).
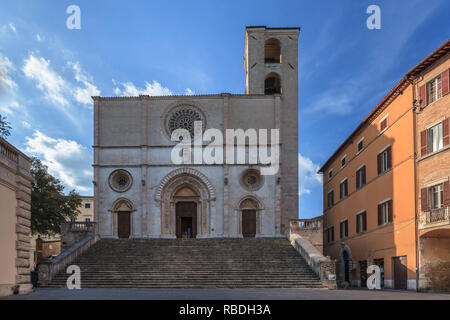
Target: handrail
point(8, 152)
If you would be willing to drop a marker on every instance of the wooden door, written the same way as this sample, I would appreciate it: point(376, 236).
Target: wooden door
point(249, 223)
point(123, 225)
point(400, 273)
point(186, 218)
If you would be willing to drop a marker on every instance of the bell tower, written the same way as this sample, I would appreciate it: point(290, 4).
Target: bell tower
point(271, 68)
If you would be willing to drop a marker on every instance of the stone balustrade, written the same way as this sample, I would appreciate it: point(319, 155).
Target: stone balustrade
point(434, 218)
point(306, 236)
point(76, 238)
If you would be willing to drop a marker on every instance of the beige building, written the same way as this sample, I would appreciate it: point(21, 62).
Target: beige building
point(86, 209)
point(15, 198)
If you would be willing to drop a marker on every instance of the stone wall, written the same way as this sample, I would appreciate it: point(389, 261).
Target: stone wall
point(15, 217)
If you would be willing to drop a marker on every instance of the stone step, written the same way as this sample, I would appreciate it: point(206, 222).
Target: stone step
point(193, 263)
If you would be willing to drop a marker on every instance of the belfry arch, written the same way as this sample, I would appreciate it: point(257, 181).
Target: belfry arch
point(178, 188)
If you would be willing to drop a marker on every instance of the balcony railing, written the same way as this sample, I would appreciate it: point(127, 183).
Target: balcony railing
point(435, 217)
point(7, 152)
point(81, 226)
point(297, 225)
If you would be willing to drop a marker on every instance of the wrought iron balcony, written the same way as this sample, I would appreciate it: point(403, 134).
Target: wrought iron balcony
point(434, 218)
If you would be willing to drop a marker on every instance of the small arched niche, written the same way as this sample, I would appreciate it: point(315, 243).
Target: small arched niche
point(272, 51)
point(272, 84)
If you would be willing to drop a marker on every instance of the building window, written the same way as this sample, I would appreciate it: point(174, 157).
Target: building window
point(330, 198)
point(272, 84)
point(434, 89)
point(436, 196)
point(330, 234)
point(383, 124)
point(361, 177)
point(272, 51)
point(87, 219)
point(344, 229)
point(87, 205)
point(384, 160)
point(385, 212)
point(360, 145)
point(251, 179)
point(343, 189)
point(343, 161)
point(330, 174)
point(435, 142)
point(361, 222)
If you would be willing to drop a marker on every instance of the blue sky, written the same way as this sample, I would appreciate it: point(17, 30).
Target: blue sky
point(48, 72)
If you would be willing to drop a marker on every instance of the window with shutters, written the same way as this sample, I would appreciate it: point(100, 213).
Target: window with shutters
point(434, 89)
point(383, 124)
point(384, 212)
point(435, 141)
point(344, 229)
point(360, 145)
point(361, 222)
point(361, 177)
point(343, 187)
point(343, 161)
point(330, 234)
point(330, 198)
point(330, 174)
point(436, 196)
point(384, 160)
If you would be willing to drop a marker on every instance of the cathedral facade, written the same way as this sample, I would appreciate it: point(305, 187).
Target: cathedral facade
point(139, 192)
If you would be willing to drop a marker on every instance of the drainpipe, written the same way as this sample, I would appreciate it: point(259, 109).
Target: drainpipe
point(416, 217)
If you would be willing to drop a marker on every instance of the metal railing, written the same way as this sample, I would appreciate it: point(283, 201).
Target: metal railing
point(437, 215)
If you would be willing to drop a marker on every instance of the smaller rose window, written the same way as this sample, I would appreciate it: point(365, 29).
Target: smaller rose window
point(120, 180)
point(251, 179)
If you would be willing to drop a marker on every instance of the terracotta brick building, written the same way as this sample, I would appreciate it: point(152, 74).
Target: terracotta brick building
point(374, 182)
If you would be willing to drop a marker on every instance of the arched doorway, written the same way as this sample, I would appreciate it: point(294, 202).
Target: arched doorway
point(250, 221)
point(345, 264)
point(122, 225)
point(175, 192)
point(186, 213)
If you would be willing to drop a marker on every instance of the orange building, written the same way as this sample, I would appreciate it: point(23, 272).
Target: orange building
point(371, 184)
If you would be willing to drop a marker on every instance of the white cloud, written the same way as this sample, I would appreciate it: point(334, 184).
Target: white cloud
point(48, 81)
point(26, 124)
point(189, 92)
point(308, 177)
point(6, 66)
point(151, 89)
point(9, 108)
point(38, 37)
point(83, 95)
point(67, 160)
point(12, 27)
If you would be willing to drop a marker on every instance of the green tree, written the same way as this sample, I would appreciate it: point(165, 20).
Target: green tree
point(4, 127)
point(49, 206)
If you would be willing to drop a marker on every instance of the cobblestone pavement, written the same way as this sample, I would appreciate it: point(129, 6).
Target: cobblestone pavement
point(225, 294)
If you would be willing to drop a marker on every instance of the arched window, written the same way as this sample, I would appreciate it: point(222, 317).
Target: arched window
point(272, 51)
point(272, 84)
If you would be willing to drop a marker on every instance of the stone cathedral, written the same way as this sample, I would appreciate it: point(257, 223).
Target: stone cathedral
point(140, 193)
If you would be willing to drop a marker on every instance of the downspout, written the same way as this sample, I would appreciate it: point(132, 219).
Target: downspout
point(416, 218)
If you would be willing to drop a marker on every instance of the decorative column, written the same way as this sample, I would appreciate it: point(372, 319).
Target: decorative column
point(96, 147)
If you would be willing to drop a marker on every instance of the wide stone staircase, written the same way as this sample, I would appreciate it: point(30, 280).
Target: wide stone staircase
point(192, 263)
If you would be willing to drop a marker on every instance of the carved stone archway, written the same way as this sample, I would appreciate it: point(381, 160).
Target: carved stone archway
point(250, 202)
point(121, 205)
point(167, 194)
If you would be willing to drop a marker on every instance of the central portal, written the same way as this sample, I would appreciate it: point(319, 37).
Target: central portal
point(186, 219)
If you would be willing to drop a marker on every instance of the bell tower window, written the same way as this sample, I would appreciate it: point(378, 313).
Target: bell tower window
point(272, 51)
point(272, 84)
